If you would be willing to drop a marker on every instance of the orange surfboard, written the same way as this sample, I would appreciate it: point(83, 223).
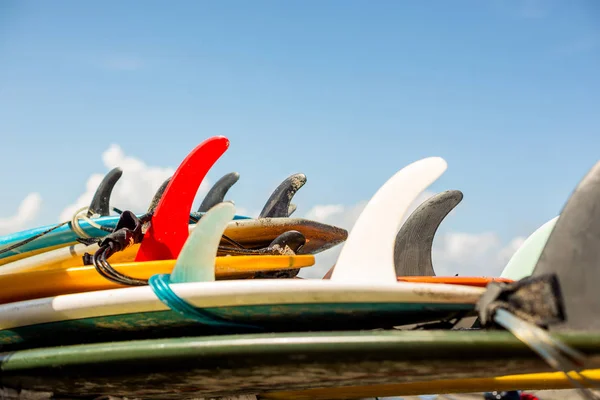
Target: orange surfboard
point(479, 281)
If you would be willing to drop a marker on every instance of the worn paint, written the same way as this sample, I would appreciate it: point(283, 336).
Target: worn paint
point(249, 364)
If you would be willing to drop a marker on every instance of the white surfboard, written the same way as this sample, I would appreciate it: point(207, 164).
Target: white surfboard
point(234, 293)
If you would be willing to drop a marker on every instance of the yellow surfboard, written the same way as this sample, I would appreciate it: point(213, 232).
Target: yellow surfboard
point(65, 257)
point(539, 381)
point(57, 281)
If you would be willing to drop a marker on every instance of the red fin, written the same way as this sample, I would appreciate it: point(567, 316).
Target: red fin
point(169, 226)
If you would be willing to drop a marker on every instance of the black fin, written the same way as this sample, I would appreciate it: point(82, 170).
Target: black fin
point(412, 252)
point(100, 203)
point(278, 204)
point(293, 239)
point(283, 244)
point(572, 254)
point(217, 193)
point(159, 193)
point(562, 292)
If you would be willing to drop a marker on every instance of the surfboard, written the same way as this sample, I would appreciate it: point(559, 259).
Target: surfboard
point(523, 262)
point(260, 364)
point(272, 304)
point(539, 381)
point(61, 236)
point(251, 233)
point(347, 300)
point(454, 280)
point(54, 282)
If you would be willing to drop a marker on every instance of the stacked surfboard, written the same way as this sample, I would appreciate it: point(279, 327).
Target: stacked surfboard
point(176, 303)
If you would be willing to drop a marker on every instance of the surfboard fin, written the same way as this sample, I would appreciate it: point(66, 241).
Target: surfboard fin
point(217, 193)
point(368, 254)
point(168, 228)
point(287, 243)
point(561, 293)
point(523, 261)
point(292, 240)
point(412, 251)
point(197, 258)
point(100, 203)
point(279, 203)
point(158, 195)
point(567, 273)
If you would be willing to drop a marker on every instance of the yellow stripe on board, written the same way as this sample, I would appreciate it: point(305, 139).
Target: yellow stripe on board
point(539, 381)
point(54, 282)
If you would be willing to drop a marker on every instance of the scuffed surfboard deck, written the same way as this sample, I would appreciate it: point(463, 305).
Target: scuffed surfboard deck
point(187, 368)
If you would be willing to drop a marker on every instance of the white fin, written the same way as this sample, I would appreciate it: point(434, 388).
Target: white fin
point(196, 261)
point(368, 253)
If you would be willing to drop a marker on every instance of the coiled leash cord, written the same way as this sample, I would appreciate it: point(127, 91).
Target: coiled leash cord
point(127, 233)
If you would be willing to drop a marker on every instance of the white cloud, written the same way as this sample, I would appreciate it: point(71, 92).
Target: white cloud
point(321, 213)
point(454, 252)
point(136, 187)
point(472, 254)
point(27, 211)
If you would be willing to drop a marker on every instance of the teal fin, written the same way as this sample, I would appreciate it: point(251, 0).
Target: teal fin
point(522, 263)
point(196, 261)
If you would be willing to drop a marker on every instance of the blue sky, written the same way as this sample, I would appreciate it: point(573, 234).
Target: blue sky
point(347, 92)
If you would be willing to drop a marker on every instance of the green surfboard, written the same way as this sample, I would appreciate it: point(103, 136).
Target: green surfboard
point(192, 367)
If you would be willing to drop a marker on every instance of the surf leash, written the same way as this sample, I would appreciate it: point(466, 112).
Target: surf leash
point(161, 286)
point(127, 233)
